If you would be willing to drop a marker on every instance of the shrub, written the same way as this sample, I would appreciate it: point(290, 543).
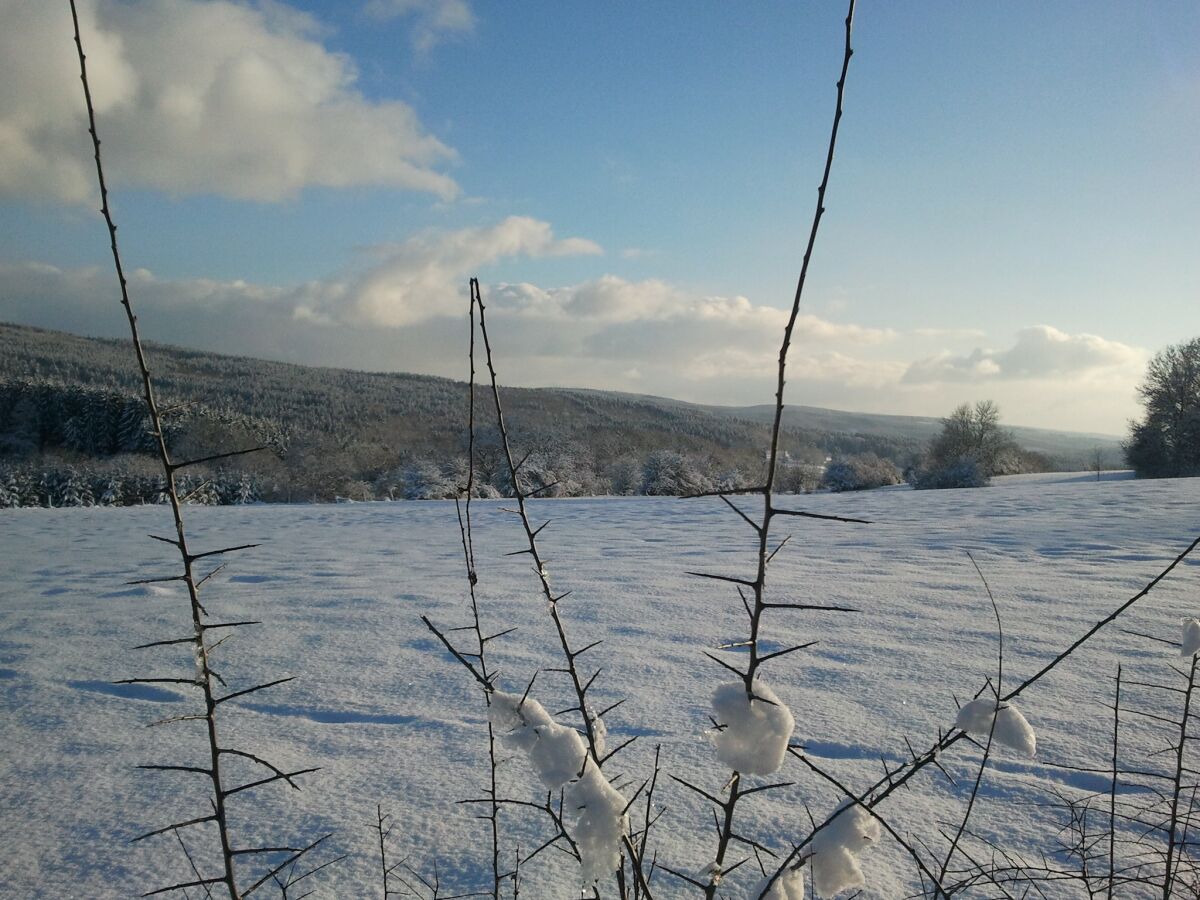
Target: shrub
point(667, 473)
point(964, 472)
point(860, 472)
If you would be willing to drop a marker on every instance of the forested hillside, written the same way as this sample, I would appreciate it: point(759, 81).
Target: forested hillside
point(70, 406)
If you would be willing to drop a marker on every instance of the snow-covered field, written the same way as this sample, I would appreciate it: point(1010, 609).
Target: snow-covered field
point(391, 719)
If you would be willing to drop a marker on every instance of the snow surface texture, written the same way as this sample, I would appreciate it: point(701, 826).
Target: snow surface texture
point(1191, 637)
point(1011, 729)
point(756, 732)
point(788, 886)
point(559, 757)
point(392, 719)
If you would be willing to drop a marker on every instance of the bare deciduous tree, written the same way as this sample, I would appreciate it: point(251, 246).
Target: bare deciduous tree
point(1166, 443)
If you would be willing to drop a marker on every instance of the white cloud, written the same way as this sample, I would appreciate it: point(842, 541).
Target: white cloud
point(663, 331)
point(433, 20)
point(197, 97)
point(949, 332)
point(1040, 352)
point(423, 277)
point(413, 296)
point(610, 299)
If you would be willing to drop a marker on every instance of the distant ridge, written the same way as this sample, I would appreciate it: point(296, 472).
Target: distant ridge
point(360, 424)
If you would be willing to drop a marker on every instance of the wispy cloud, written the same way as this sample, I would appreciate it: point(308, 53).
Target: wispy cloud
point(952, 333)
point(198, 97)
point(433, 21)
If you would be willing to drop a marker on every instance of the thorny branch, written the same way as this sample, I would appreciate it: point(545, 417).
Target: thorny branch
point(579, 684)
point(205, 676)
point(757, 603)
point(878, 792)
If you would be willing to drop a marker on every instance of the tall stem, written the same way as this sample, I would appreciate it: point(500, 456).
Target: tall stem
point(758, 587)
point(1172, 823)
point(570, 655)
point(169, 468)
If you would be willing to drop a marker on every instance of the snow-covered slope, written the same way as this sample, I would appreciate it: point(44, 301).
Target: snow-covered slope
point(393, 720)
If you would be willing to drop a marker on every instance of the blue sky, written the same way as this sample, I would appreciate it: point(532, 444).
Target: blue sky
point(1014, 211)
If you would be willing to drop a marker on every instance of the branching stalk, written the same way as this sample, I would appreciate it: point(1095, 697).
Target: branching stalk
point(1172, 826)
point(878, 792)
point(757, 604)
point(205, 677)
point(579, 684)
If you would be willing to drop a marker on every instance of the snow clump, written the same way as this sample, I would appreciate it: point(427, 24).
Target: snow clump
point(559, 757)
point(1012, 730)
point(555, 751)
point(788, 886)
point(756, 732)
point(600, 822)
point(1191, 637)
point(835, 849)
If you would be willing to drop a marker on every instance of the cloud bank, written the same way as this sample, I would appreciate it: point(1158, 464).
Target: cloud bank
point(1040, 352)
point(197, 97)
point(422, 277)
point(403, 308)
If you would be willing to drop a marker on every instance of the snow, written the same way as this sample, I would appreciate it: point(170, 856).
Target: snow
point(600, 823)
point(599, 732)
point(1011, 729)
point(555, 751)
point(1191, 637)
point(755, 732)
point(788, 886)
point(836, 847)
point(392, 719)
point(558, 755)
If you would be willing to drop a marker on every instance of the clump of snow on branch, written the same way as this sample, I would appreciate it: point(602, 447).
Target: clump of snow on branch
point(835, 849)
point(559, 757)
point(555, 751)
point(1012, 730)
point(788, 886)
point(600, 822)
point(1191, 637)
point(756, 731)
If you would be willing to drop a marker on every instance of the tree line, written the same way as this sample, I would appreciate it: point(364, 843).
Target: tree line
point(69, 409)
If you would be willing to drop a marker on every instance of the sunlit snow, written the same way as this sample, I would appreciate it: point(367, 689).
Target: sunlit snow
point(392, 719)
